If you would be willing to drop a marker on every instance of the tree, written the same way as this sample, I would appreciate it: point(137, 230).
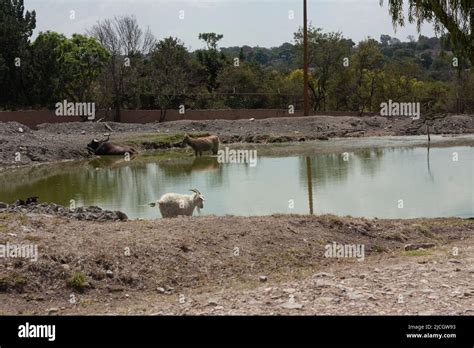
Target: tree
point(211, 59)
point(127, 44)
point(45, 70)
point(16, 28)
point(171, 73)
point(326, 54)
point(63, 68)
point(367, 69)
point(454, 16)
point(243, 85)
point(81, 61)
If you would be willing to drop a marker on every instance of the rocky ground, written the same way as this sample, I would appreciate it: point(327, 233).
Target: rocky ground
point(56, 142)
point(262, 265)
point(50, 209)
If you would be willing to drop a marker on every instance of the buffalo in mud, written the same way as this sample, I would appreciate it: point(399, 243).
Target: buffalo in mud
point(105, 148)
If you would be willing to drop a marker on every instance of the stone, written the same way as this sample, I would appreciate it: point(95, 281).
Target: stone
point(355, 296)
point(292, 305)
point(410, 247)
point(53, 310)
point(323, 274)
point(263, 278)
point(212, 303)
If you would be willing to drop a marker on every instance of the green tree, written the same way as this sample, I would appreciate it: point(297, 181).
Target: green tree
point(171, 74)
point(326, 59)
point(81, 61)
point(455, 17)
point(367, 64)
point(16, 28)
point(244, 86)
point(211, 59)
point(63, 68)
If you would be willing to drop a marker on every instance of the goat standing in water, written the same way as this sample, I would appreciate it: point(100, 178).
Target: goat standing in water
point(175, 204)
point(209, 143)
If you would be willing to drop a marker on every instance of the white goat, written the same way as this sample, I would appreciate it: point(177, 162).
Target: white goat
point(175, 204)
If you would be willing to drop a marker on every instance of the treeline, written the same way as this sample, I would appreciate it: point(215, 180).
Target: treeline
point(117, 64)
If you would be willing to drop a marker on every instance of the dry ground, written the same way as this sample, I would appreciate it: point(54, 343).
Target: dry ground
point(259, 265)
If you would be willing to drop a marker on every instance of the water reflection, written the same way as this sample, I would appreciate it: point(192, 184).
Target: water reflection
point(369, 183)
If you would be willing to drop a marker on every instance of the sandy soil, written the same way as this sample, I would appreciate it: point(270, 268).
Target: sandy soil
point(57, 142)
point(262, 265)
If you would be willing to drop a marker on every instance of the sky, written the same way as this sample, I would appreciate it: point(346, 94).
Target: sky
point(264, 23)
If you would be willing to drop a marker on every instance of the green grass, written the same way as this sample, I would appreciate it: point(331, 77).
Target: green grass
point(32, 238)
point(77, 281)
point(416, 253)
point(378, 249)
point(160, 139)
point(14, 280)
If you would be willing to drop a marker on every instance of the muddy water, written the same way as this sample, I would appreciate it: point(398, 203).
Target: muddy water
point(384, 182)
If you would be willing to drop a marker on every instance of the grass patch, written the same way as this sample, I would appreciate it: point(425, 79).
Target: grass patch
point(32, 238)
point(23, 219)
point(77, 281)
point(378, 249)
point(13, 281)
point(159, 140)
point(415, 253)
point(426, 231)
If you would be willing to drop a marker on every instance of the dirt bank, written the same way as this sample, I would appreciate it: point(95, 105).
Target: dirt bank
point(262, 265)
point(55, 142)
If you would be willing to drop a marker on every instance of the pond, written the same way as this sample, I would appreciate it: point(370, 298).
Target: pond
point(383, 182)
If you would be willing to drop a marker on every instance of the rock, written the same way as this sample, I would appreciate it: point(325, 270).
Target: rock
point(354, 296)
point(212, 303)
point(323, 274)
point(3, 205)
point(291, 305)
point(115, 288)
point(66, 267)
point(109, 273)
point(410, 247)
point(454, 261)
point(252, 119)
point(161, 290)
point(289, 290)
point(326, 299)
point(21, 130)
point(263, 278)
point(53, 310)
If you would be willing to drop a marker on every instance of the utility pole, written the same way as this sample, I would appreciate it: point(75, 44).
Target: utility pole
point(305, 59)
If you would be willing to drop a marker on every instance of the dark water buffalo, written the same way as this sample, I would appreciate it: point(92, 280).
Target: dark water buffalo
point(104, 148)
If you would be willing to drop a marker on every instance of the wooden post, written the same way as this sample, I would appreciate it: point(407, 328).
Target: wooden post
point(305, 63)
